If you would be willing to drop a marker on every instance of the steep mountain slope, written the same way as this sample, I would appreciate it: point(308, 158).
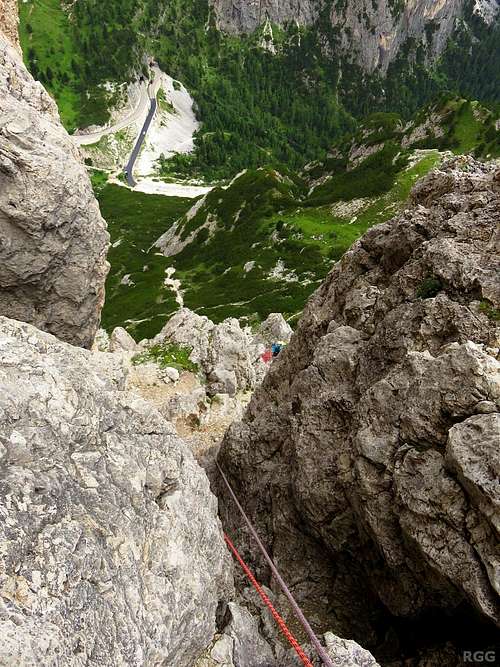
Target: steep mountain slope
point(279, 95)
point(368, 459)
point(266, 241)
point(53, 239)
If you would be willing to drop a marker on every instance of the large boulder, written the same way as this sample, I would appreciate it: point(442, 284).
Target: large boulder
point(188, 329)
point(233, 353)
point(274, 329)
point(53, 240)
point(368, 458)
point(111, 550)
point(228, 355)
point(121, 341)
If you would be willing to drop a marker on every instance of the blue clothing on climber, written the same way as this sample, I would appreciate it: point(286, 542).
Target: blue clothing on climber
point(276, 348)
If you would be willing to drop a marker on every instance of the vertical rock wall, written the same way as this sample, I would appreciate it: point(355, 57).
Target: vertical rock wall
point(53, 240)
point(369, 458)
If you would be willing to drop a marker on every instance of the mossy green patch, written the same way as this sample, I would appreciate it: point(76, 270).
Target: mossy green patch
point(489, 310)
point(99, 180)
point(167, 354)
point(429, 288)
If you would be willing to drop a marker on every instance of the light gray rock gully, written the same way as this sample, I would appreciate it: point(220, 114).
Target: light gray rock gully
point(368, 458)
point(111, 549)
point(53, 240)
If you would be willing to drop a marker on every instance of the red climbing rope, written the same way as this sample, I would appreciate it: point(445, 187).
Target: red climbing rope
point(279, 620)
point(327, 661)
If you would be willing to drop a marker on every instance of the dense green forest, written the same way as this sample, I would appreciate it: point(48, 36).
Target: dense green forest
point(257, 108)
point(73, 49)
point(266, 241)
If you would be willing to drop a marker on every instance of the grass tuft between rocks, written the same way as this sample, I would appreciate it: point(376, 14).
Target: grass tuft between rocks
point(169, 354)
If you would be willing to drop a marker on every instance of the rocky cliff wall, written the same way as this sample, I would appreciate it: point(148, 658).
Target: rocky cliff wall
point(112, 553)
point(244, 16)
point(53, 240)
point(369, 457)
point(375, 31)
point(370, 31)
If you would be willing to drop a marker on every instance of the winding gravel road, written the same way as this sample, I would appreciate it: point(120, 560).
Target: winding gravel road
point(180, 134)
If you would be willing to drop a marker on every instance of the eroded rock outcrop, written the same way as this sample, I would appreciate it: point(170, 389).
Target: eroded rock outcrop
point(242, 645)
point(368, 459)
point(53, 240)
point(228, 354)
point(112, 553)
point(245, 16)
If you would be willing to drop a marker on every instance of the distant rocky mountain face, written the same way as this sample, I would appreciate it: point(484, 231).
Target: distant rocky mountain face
point(244, 16)
point(371, 31)
point(53, 239)
point(369, 459)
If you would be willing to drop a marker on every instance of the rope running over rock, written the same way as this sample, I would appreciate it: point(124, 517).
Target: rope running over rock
point(279, 620)
point(298, 612)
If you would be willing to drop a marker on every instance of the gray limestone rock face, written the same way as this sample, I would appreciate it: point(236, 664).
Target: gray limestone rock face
point(111, 550)
point(244, 16)
point(249, 648)
point(228, 355)
point(371, 32)
point(242, 645)
point(368, 458)
point(346, 653)
point(374, 32)
point(233, 353)
point(53, 240)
